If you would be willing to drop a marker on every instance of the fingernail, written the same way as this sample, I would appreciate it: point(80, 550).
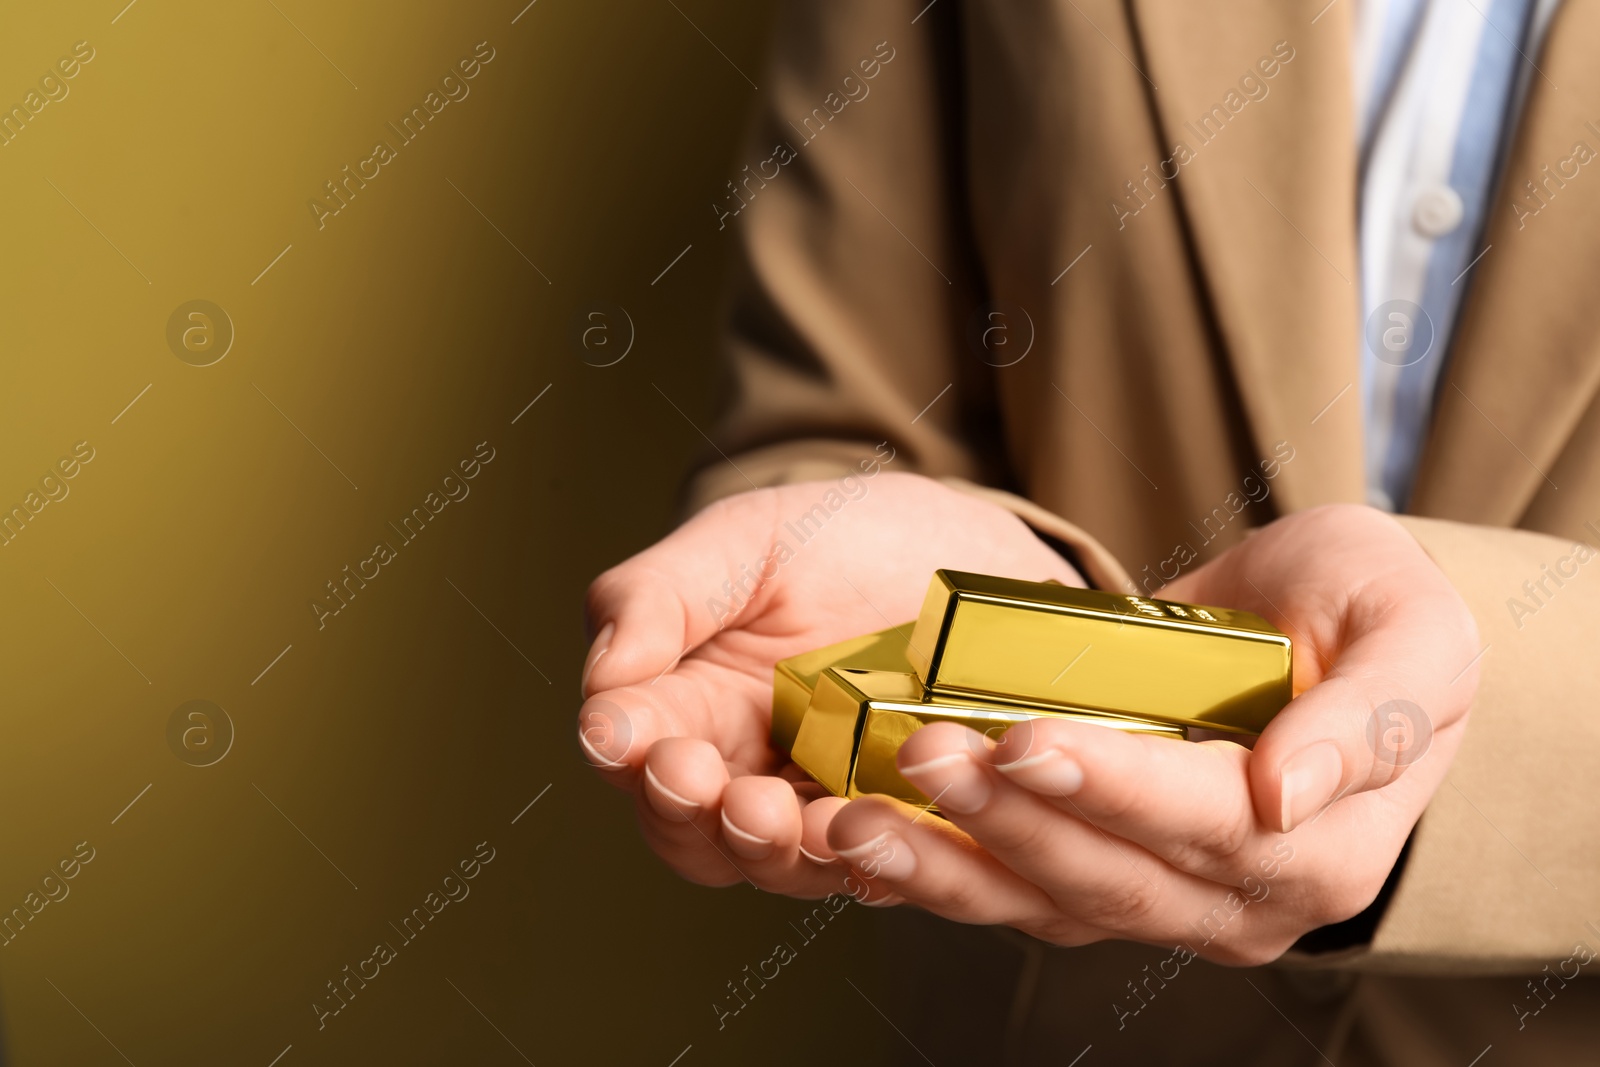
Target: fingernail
point(1048, 772)
point(954, 780)
point(886, 856)
point(744, 842)
point(605, 736)
point(670, 805)
point(602, 643)
point(885, 902)
point(814, 858)
point(1310, 778)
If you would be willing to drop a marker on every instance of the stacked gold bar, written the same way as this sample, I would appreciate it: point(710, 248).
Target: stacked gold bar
point(989, 652)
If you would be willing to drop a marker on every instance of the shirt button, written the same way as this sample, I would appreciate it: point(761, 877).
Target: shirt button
point(1438, 211)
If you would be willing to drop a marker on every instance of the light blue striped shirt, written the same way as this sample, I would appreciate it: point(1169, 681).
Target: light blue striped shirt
point(1439, 85)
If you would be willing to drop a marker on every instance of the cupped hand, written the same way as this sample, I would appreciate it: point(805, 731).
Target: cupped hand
point(1075, 833)
point(679, 678)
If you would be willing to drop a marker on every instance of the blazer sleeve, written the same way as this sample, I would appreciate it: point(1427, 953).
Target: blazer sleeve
point(855, 281)
point(1504, 870)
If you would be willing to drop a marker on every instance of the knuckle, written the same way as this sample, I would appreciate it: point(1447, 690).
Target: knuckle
point(1129, 906)
point(959, 898)
point(1016, 836)
point(1219, 843)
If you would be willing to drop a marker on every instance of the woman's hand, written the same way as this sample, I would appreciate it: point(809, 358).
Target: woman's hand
point(679, 679)
point(1075, 833)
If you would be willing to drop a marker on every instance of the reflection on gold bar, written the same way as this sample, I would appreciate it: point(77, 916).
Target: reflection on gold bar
point(1000, 639)
point(794, 678)
point(858, 719)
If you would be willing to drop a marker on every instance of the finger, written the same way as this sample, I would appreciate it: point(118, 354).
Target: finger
point(933, 865)
point(1388, 640)
point(815, 818)
point(1389, 694)
point(1107, 883)
point(617, 727)
point(679, 802)
point(719, 569)
point(716, 830)
point(651, 609)
point(1189, 804)
point(761, 821)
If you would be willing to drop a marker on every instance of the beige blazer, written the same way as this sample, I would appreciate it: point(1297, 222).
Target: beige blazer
point(1157, 200)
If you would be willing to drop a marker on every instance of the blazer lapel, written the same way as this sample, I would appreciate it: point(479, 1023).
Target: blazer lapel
point(1525, 362)
point(1269, 193)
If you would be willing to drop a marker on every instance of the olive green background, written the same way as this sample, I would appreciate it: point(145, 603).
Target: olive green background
point(368, 360)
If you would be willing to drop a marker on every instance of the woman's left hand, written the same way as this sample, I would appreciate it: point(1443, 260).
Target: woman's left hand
point(1075, 833)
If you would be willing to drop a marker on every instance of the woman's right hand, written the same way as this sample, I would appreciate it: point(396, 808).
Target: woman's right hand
point(679, 679)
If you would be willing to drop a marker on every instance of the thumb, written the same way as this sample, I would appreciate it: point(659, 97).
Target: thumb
point(650, 610)
point(1398, 682)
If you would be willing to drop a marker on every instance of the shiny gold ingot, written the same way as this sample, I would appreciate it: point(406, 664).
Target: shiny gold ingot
point(1010, 641)
point(859, 718)
point(794, 678)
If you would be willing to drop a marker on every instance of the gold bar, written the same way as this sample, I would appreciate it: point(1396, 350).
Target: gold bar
point(795, 677)
point(1010, 641)
point(858, 719)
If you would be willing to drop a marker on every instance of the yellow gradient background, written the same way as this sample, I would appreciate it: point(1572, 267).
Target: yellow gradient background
point(368, 360)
